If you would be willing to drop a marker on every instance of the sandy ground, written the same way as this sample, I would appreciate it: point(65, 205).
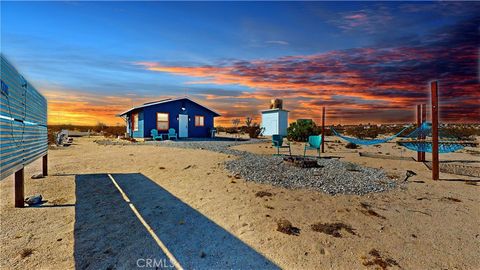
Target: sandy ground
point(209, 219)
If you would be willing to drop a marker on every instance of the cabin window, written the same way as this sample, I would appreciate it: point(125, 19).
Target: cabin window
point(162, 121)
point(135, 122)
point(199, 120)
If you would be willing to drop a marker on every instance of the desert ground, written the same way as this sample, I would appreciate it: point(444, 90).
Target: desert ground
point(208, 218)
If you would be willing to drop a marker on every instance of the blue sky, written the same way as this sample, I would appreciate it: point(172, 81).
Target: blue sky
point(92, 52)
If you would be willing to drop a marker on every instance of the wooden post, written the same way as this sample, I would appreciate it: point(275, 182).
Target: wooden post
point(419, 113)
point(435, 165)
point(19, 188)
point(45, 165)
point(323, 129)
point(424, 119)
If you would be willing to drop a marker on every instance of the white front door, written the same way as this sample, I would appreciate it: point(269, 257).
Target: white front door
point(182, 125)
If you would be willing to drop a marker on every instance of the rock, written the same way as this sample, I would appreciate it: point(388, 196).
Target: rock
point(37, 176)
point(409, 174)
point(33, 200)
point(286, 227)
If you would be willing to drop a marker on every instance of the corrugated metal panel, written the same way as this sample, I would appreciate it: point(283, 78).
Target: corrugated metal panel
point(23, 121)
point(270, 123)
point(283, 123)
point(275, 122)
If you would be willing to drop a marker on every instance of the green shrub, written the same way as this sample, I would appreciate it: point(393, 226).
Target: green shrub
point(300, 130)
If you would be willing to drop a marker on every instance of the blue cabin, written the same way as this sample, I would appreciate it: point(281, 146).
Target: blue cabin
point(187, 117)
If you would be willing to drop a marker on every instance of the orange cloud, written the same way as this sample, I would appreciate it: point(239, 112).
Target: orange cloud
point(354, 83)
point(77, 108)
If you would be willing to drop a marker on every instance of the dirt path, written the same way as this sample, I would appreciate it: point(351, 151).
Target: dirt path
point(186, 194)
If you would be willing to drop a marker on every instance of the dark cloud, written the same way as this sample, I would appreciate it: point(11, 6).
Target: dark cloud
point(356, 82)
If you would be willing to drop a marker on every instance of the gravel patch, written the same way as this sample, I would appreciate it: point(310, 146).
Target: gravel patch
point(219, 146)
point(332, 176)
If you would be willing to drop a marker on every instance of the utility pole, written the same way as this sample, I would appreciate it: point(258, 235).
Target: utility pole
point(419, 136)
point(323, 129)
point(435, 161)
point(424, 119)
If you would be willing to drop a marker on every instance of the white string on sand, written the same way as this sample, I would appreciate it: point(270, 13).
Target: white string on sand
point(164, 248)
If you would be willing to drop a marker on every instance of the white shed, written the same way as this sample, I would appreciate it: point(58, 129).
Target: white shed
point(275, 122)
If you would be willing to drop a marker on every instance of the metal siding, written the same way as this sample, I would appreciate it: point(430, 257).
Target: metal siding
point(270, 123)
point(23, 122)
point(275, 122)
point(282, 123)
point(174, 109)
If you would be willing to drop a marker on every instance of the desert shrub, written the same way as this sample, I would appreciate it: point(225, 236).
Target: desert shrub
point(51, 137)
point(462, 132)
point(301, 129)
point(318, 130)
point(253, 129)
point(231, 130)
point(361, 132)
point(100, 127)
point(221, 129)
point(129, 139)
point(114, 131)
point(235, 123)
point(351, 145)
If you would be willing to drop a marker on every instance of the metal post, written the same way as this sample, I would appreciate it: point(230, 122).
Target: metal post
point(435, 168)
point(424, 119)
point(45, 165)
point(19, 188)
point(323, 129)
point(419, 154)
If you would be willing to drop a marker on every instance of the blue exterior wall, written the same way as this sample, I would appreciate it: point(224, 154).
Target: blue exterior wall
point(148, 118)
point(141, 123)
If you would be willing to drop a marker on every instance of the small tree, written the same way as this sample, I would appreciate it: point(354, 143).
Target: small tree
point(100, 127)
point(248, 121)
point(253, 129)
point(235, 123)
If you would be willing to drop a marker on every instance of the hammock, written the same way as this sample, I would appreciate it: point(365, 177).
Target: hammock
point(447, 142)
point(367, 142)
point(423, 146)
point(425, 130)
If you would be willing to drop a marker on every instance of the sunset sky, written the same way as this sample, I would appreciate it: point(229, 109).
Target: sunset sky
point(366, 62)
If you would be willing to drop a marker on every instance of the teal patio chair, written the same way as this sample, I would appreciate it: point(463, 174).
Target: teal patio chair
point(314, 143)
point(277, 142)
point(154, 134)
point(172, 134)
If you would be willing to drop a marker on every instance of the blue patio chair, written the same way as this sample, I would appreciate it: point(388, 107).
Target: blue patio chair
point(277, 142)
point(154, 134)
point(172, 134)
point(314, 143)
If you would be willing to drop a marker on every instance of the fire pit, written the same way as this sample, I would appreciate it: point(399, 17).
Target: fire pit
point(301, 162)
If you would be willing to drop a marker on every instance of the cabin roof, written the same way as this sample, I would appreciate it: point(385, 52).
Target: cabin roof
point(152, 103)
